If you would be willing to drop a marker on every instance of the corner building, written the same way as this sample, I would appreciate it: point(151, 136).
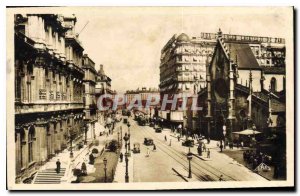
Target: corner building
point(49, 106)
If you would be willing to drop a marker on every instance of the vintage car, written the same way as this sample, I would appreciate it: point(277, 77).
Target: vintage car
point(136, 148)
point(142, 121)
point(188, 143)
point(158, 130)
point(152, 124)
point(148, 141)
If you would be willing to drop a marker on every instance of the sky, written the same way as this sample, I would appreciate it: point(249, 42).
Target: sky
point(128, 41)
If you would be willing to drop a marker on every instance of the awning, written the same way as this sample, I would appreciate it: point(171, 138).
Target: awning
point(247, 132)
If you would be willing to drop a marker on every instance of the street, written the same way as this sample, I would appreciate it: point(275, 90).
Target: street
point(168, 158)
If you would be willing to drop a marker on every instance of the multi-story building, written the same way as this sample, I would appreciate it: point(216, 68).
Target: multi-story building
point(182, 70)
point(48, 89)
point(245, 93)
point(143, 95)
point(103, 86)
point(90, 106)
point(183, 67)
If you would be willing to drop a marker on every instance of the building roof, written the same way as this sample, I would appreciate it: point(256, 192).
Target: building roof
point(243, 54)
point(183, 38)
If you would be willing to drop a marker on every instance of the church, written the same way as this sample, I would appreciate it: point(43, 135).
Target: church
point(245, 88)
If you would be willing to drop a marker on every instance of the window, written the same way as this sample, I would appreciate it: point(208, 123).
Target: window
point(273, 84)
point(22, 147)
point(31, 135)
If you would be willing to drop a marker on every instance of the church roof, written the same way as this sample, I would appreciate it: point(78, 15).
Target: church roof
point(243, 54)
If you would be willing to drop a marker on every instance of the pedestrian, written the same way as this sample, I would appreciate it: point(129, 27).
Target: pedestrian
point(204, 148)
point(154, 147)
point(148, 152)
point(83, 168)
point(165, 138)
point(121, 157)
point(178, 137)
point(242, 144)
point(170, 142)
point(221, 147)
point(58, 166)
point(208, 153)
point(221, 178)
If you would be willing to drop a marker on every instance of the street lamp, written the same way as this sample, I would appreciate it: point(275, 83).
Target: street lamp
point(128, 125)
point(118, 138)
point(189, 157)
point(105, 168)
point(224, 134)
point(85, 127)
point(126, 138)
point(71, 134)
point(126, 172)
point(254, 129)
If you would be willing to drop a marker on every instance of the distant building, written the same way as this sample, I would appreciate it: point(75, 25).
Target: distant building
point(90, 105)
point(143, 94)
point(103, 86)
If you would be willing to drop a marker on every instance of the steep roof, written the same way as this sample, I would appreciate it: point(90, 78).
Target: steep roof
point(243, 54)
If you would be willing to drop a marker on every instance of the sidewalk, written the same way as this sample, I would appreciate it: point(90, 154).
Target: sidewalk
point(218, 160)
point(96, 172)
point(121, 168)
point(79, 156)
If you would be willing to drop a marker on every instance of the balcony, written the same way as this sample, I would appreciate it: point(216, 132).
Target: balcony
point(23, 108)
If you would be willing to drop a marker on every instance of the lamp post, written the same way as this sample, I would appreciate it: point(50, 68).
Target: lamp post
point(71, 141)
point(126, 138)
point(105, 168)
point(126, 171)
point(189, 157)
point(85, 132)
point(119, 138)
point(224, 134)
point(128, 125)
point(254, 129)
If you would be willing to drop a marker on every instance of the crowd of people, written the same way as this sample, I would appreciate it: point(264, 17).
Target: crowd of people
point(255, 158)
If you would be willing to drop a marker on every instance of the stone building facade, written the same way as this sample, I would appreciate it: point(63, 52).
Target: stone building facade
point(90, 105)
point(143, 94)
point(49, 75)
point(183, 69)
point(241, 91)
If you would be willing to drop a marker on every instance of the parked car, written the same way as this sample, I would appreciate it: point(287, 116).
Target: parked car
point(142, 121)
point(158, 130)
point(188, 143)
point(148, 141)
point(151, 124)
point(136, 147)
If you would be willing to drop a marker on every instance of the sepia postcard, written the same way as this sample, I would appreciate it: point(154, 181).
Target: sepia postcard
point(150, 98)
